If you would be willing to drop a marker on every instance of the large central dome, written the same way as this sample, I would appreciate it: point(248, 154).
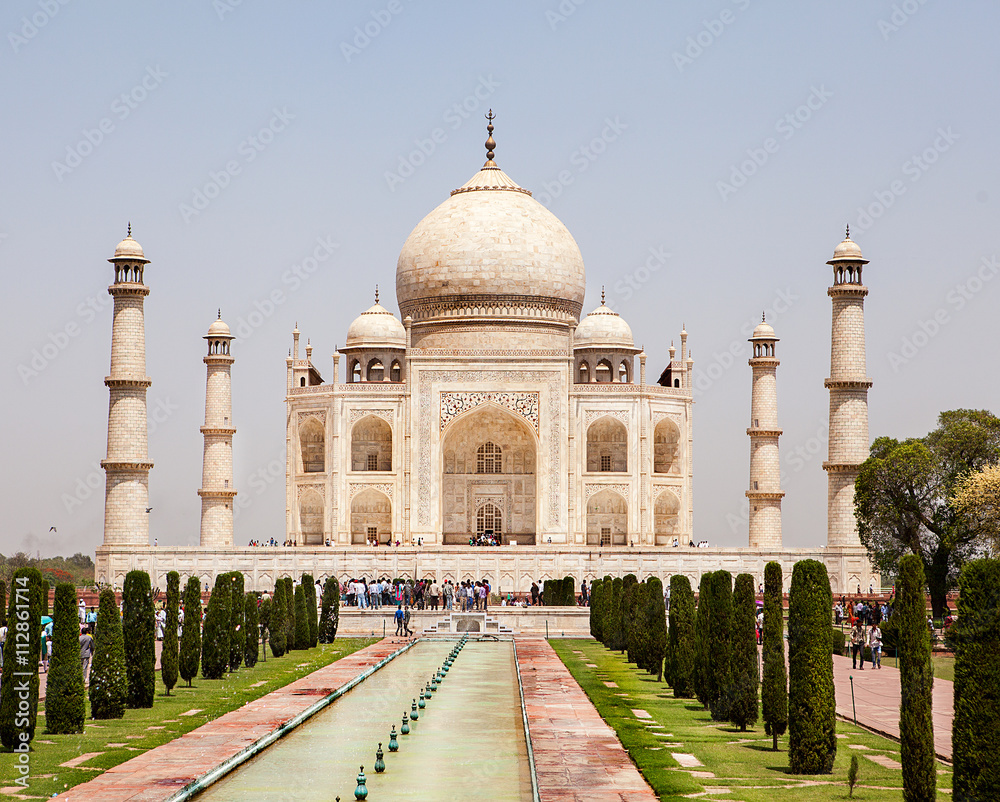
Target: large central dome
point(490, 251)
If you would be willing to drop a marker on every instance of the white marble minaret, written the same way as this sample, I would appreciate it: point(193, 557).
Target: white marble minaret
point(217, 492)
point(126, 497)
point(765, 492)
point(848, 387)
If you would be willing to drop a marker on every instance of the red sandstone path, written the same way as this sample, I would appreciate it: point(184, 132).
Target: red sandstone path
point(578, 757)
point(877, 696)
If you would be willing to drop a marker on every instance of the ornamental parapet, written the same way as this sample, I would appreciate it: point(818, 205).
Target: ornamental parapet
point(847, 290)
point(122, 465)
point(756, 432)
point(120, 383)
point(128, 288)
point(760, 494)
point(627, 388)
point(848, 384)
point(474, 307)
point(842, 467)
point(208, 493)
point(218, 430)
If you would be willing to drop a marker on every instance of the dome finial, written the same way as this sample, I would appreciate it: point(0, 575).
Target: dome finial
point(848, 231)
point(220, 313)
point(762, 318)
point(602, 295)
point(376, 294)
point(490, 143)
point(129, 229)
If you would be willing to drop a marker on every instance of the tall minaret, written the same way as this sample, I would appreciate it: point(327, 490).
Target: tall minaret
point(217, 492)
point(126, 496)
point(848, 387)
point(765, 492)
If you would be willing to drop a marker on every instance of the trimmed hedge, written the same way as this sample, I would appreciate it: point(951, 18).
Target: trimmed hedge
point(569, 591)
point(289, 597)
point(139, 627)
point(655, 626)
point(681, 637)
point(812, 742)
point(301, 618)
point(630, 613)
point(774, 691)
point(745, 662)
point(237, 635)
point(264, 619)
point(838, 641)
point(25, 582)
point(616, 638)
point(190, 649)
point(215, 633)
point(331, 611)
point(312, 616)
point(64, 702)
point(276, 628)
point(108, 677)
point(702, 622)
point(720, 646)
point(169, 655)
point(3, 603)
point(595, 606)
point(251, 628)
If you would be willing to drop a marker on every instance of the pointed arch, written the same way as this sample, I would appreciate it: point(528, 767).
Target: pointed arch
point(371, 516)
point(666, 447)
point(371, 445)
point(312, 443)
point(311, 518)
point(666, 517)
point(607, 446)
point(607, 519)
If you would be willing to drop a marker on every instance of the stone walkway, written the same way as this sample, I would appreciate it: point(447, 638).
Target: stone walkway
point(877, 696)
point(161, 772)
point(577, 755)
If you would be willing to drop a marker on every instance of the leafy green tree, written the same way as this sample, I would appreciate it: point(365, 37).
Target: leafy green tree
point(301, 618)
point(721, 646)
point(916, 682)
point(276, 620)
point(64, 701)
point(630, 612)
point(311, 609)
point(745, 663)
point(975, 735)
point(682, 648)
point(139, 626)
point(169, 655)
point(108, 676)
point(903, 497)
point(812, 742)
point(27, 589)
point(3, 603)
point(190, 650)
point(655, 628)
point(702, 637)
point(289, 597)
point(774, 694)
point(569, 591)
point(251, 628)
point(596, 591)
point(331, 611)
point(616, 638)
point(215, 633)
point(237, 634)
point(627, 612)
point(976, 501)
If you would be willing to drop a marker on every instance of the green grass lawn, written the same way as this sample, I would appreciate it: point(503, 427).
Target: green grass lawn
point(943, 666)
point(119, 740)
point(740, 761)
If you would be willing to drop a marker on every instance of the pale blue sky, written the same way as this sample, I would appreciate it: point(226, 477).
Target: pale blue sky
point(683, 95)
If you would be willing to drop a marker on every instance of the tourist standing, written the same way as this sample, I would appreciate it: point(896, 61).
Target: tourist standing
point(875, 642)
point(857, 645)
point(406, 622)
point(86, 652)
point(585, 595)
point(449, 595)
point(435, 594)
point(399, 619)
point(534, 594)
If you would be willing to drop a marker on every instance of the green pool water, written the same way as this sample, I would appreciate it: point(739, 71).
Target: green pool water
point(468, 743)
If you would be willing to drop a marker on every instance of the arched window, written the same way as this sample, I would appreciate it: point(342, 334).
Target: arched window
point(376, 371)
point(313, 442)
point(666, 442)
point(371, 445)
point(603, 371)
point(623, 372)
point(356, 371)
point(395, 372)
point(489, 520)
point(302, 382)
point(584, 373)
point(489, 459)
point(607, 446)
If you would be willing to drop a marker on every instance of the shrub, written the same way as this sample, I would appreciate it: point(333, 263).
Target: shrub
point(190, 651)
point(655, 628)
point(626, 614)
point(630, 608)
point(838, 641)
point(301, 618)
point(681, 650)
point(569, 591)
point(289, 597)
point(251, 629)
point(64, 706)
point(976, 635)
point(548, 593)
point(25, 582)
point(852, 775)
point(215, 633)
point(169, 654)
point(702, 630)
point(812, 743)
point(916, 681)
point(745, 663)
point(331, 611)
point(774, 693)
point(237, 635)
point(616, 637)
point(311, 611)
point(720, 650)
point(139, 627)
point(108, 677)
point(596, 590)
point(276, 620)
point(890, 636)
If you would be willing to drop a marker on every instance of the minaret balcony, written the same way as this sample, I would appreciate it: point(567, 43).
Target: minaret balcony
point(841, 467)
point(847, 290)
point(222, 431)
point(128, 288)
point(122, 383)
point(126, 465)
point(757, 431)
point(764, 494)
point(847, 384)
point(216, 493)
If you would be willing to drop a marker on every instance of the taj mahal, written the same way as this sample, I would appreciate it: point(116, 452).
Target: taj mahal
point(490, 430)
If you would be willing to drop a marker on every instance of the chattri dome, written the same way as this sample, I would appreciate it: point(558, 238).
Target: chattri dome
point(603, 328)
point(219, 329)
point(764, 331)
point(376, 327)
point(128, 248)
point(847, 251)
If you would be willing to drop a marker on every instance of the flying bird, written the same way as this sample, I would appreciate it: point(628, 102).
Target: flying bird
point(149, 509)
point(53, 529)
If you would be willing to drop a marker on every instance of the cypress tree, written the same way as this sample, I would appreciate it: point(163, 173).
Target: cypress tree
point(301, 618)
point(774, 694)
point(311, 610)
point(139, 627)
point(616, 638)
point(976, 732)
point(108, 676)
point(3, 603)
point(190, 650)
point(627, 612)
point(629, 605)
point(745, 663)
point(289, 597)
point(548, 593)
point(237, 635)
point(276, 620)
point(169, 655)
point(595, 606)
point(702, 631)
point(655, 628)
point(607, 594)
point(215, 637)
point(64, 687)
point(27, 589)
point(569, 591)
point(812, 742)
point(331, 610)
point(251, 628)
point(916, 681)
point(721, 646)
point(682, 636)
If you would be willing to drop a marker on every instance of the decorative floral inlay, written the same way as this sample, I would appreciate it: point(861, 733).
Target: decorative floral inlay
point(523, 404)
point(618, 488)
point(357, 414)
point(383, 487)
point(594, 414)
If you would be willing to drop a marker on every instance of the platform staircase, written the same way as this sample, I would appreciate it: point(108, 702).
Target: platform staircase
point(473, 623)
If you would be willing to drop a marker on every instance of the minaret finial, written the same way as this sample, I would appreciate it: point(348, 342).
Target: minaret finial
point(762, 318)
point(129, 228)
point(602, 295)
point(490, 144)
point(848, 231)
point(220, 313)
point(376, 294)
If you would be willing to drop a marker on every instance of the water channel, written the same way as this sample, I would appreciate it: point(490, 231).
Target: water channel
point(468, 743)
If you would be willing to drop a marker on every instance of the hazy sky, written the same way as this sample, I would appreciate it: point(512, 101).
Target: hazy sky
point(706, 156)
